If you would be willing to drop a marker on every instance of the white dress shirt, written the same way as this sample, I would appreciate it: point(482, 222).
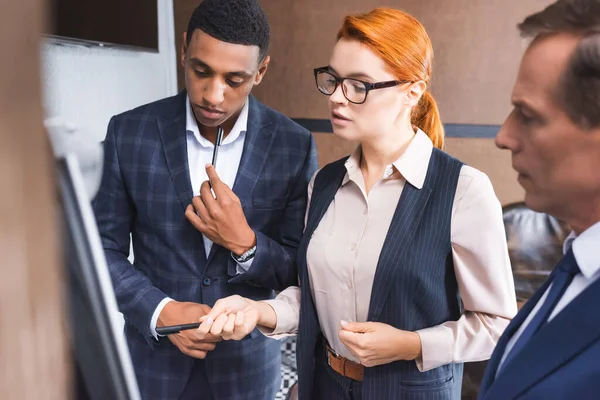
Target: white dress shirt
point(344, 250)
point(585, 250)
point(200, 151)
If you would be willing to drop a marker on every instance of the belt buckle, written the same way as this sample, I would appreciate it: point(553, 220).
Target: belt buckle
point(331, 352)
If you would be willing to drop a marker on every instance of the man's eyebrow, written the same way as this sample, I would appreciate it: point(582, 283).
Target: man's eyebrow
point(523, 105)
point(241, 74)
point(199, 63)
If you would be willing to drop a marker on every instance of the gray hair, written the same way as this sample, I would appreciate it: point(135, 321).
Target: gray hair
point(578, 92)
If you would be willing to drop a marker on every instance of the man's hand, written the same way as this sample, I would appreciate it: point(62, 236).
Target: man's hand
point(176, 313)
point(375, 343)
point(220, 218)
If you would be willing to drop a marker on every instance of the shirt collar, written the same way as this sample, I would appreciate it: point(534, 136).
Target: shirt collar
point(585, 249)
point(240, 126)
point(412, 163)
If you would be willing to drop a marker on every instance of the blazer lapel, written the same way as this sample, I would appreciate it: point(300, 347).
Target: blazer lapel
point(257, 145)
point(173, 138)
point(404, 222)
point(511, 329)
point(259, 139)
point(572, 330)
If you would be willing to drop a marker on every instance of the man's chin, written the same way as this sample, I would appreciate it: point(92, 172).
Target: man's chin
point(211, 123)
point(537, 202)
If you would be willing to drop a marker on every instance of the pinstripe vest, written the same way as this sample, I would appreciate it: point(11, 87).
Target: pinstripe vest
point(414, 286)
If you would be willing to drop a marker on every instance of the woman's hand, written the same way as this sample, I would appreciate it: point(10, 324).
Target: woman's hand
point(231, 318)
point(375, 343)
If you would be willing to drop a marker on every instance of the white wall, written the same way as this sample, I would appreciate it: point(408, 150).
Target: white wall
point(85, 86)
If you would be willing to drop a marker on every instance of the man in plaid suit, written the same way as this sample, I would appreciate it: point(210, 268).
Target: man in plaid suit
point(202, 233)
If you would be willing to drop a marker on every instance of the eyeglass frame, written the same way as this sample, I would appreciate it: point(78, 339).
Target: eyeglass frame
point(368, 85)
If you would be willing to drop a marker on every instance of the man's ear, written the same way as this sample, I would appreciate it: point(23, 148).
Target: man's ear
point(262, 69)
point(414, 93)
point(183, 49)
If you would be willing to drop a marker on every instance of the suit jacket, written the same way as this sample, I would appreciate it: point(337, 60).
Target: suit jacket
point(144, 191)
point(561, 361)
point(414, 285)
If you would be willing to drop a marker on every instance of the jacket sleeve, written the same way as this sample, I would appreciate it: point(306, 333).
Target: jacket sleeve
point(115, 212)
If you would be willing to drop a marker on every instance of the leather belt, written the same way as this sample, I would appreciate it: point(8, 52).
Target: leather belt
point(343, 366)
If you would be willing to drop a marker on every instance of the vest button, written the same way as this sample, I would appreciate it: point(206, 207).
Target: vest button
point(206, 281)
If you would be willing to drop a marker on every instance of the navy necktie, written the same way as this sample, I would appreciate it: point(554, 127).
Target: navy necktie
point(565, 271)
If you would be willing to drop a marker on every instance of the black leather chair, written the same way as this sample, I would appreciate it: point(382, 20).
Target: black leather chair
point(535, 243)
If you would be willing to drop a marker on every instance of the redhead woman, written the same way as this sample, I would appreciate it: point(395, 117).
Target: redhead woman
point(403, 269)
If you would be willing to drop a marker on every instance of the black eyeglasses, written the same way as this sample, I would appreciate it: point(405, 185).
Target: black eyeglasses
point(354, 90)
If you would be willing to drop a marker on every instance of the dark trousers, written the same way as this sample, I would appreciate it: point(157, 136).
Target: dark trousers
point(329, 385)
point(197, 387)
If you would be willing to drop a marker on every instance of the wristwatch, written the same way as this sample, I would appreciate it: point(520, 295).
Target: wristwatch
point(248, 255)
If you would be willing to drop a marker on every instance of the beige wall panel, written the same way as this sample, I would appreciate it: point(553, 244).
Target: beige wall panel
point(485, 156)
point(331, 148)
point(182, 11)
point(477, 53)
point(476, 44)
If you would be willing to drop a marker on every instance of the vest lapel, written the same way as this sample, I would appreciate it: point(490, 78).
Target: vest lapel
point(398, 240)
point(326, 185)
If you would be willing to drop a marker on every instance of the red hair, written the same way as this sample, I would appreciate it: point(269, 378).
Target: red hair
point(401, 41)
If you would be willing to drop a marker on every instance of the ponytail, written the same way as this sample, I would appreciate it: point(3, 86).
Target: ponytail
point(426, 116)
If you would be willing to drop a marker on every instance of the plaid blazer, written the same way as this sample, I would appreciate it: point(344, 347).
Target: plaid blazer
point(144, 191)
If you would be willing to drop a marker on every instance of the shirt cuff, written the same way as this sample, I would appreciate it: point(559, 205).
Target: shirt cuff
point(154, 319)
point(287, 319)
point(242, 268)
point(436, 348)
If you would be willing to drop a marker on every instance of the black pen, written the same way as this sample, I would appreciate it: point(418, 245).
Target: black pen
point(218, 142)
point(169, 330)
